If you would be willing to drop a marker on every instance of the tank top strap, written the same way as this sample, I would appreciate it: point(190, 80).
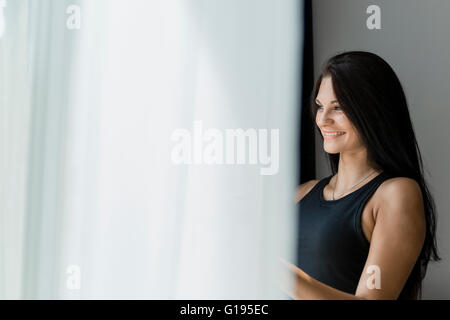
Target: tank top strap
point(313, 194)
point(372, 185)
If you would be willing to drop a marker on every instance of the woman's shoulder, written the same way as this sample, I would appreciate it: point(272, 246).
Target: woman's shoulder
point(303, 189)
point(398, 191)
point(394, 186)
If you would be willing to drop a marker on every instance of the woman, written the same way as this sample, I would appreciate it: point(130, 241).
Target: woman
point(368, 230)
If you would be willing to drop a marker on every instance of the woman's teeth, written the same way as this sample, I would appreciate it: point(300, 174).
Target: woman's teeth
point(334, 134)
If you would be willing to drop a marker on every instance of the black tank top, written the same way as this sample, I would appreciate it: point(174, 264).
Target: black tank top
point(332, 247)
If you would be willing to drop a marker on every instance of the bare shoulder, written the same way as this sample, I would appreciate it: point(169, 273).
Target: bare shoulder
point(400, 187)
point(303, 189)
point(401, 194)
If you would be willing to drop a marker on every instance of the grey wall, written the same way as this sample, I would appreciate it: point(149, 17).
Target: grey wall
point(415, 40)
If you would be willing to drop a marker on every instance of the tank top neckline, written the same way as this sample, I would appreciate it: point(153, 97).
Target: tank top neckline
point(327, 180)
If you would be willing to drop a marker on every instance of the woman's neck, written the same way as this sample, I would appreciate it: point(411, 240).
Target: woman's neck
point(353, 167)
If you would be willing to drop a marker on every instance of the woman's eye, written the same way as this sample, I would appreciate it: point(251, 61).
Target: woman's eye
point(319, 107)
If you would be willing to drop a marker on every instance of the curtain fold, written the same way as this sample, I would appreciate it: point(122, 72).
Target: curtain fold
point(15, 113)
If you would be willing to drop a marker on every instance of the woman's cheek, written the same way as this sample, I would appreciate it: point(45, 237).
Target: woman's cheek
point(341, 117)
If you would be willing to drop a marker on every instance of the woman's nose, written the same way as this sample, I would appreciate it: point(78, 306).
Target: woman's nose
point(323, 117)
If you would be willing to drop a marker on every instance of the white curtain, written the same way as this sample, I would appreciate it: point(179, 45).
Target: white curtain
point(92, 204)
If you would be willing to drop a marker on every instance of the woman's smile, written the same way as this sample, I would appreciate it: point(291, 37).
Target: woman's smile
point(332, 134)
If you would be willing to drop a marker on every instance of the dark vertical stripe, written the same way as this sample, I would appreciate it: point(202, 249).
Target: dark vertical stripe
point(307, 140)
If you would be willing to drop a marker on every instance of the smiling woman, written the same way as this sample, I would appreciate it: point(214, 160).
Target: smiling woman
point(375, 211)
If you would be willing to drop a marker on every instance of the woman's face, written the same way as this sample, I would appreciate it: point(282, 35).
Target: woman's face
point(338, 132)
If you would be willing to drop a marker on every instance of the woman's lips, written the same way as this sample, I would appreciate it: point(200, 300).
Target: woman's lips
point(329, 135)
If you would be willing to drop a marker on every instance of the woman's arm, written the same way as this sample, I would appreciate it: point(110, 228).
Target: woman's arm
point(396, 242)
point(308, 288)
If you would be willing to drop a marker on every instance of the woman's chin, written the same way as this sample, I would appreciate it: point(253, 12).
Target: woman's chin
point(332, 150)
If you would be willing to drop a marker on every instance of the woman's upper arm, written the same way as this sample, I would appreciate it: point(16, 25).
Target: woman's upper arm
point(396, 242)
point(303, 189)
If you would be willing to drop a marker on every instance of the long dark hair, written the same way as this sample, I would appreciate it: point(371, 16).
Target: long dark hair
point(372, 97)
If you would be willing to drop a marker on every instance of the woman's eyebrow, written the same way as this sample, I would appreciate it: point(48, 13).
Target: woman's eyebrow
point(334, 101)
